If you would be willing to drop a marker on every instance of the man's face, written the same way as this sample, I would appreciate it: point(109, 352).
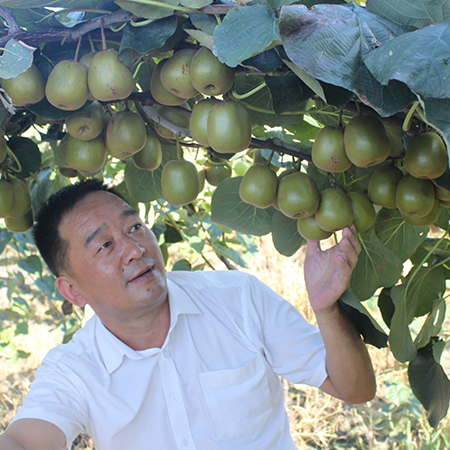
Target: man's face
point(114, 261)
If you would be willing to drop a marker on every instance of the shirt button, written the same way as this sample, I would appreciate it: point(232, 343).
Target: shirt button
point(174, 398)
point(166, 353)
point(185, 442)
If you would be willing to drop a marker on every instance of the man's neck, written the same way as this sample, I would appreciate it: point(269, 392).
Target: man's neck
point(147, 331)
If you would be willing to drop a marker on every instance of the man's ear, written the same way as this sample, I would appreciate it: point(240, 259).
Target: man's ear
point(69, 291)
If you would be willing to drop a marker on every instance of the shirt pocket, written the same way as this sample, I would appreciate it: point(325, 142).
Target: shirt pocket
point(239, 400)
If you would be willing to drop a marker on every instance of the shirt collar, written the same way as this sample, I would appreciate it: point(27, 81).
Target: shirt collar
point(112, 350)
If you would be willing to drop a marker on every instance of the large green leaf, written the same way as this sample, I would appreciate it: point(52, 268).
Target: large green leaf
point(430, 384)
point(366, 325)
point(329, 41)
point(411, 13)
point(145, 185)
point(419, 59)
point(152, 36)
point(285, 235)
point(396, 235)
point(16, 59)
point(424, 286)
point(245, 30)
point(400, 340)
point(377, 267)
point(387, 100)
point(229, 210)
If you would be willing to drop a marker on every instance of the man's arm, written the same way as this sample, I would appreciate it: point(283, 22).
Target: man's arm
point(32, 434)
point(327, 276)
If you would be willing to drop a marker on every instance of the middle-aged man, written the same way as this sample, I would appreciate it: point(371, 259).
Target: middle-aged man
point(187, 360)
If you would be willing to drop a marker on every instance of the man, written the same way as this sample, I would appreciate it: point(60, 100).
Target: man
point(183, 361)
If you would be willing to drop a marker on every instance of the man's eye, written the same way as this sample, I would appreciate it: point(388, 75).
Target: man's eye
point(136, 227)
point(105, 245)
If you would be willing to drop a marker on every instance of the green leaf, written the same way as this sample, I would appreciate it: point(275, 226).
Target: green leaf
point(386, 306)
point(377, 267)
point(46, 284)
point(285, 235)
point(229, 210)
point(22, 328)
point(411, 13)
point(229, 253)
point(34, 18)
point(197, 4)
point(424, 286)
point(433, 323)
point(67, 4)
point(203, 22)
point(260, 106)
point(387, 100)
point(28, 154)
point(32, 264)
point(245, 30)
point(182, 264)
point(418, 59)
point(366, 325)
point(267, 61)
point(152, 36)
point(437, 114)
point(48, 112)
point(328, 42)
point(443, 219)
point(41, 190)
point(287, 91)
point(309, 80)
point(16, 59)
point(144, 185)
point(5, 238)
point(430, 384)
point(396, 235)
point(400, 340)
point(147, 11)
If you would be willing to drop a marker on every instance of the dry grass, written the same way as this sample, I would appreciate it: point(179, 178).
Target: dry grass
point(318, 421)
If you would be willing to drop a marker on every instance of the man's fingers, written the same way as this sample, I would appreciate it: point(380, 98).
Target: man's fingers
point(312, 247)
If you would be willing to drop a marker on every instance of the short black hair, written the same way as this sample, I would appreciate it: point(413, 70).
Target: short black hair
point(52, 247)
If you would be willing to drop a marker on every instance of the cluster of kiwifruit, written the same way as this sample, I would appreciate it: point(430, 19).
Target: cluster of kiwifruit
point(222, 124)
point(15, 197)
point(363, 143)
point(225, 126)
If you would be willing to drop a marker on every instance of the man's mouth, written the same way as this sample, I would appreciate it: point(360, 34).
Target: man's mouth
point(143, 274)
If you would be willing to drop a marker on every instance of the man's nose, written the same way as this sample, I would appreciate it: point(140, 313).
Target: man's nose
point(132, 250)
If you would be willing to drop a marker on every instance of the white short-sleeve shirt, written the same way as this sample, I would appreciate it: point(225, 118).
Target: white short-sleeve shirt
point(214, 384)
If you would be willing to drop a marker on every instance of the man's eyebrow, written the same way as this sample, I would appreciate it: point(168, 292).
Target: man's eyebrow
point(125, 213)
point(129, 212)
point(92, 236)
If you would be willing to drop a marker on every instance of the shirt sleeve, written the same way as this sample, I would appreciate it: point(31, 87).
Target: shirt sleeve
point(55, 397)
point(292, 346)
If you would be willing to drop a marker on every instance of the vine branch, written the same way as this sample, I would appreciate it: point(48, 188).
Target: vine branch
point(35, 37)
point(10, 20)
